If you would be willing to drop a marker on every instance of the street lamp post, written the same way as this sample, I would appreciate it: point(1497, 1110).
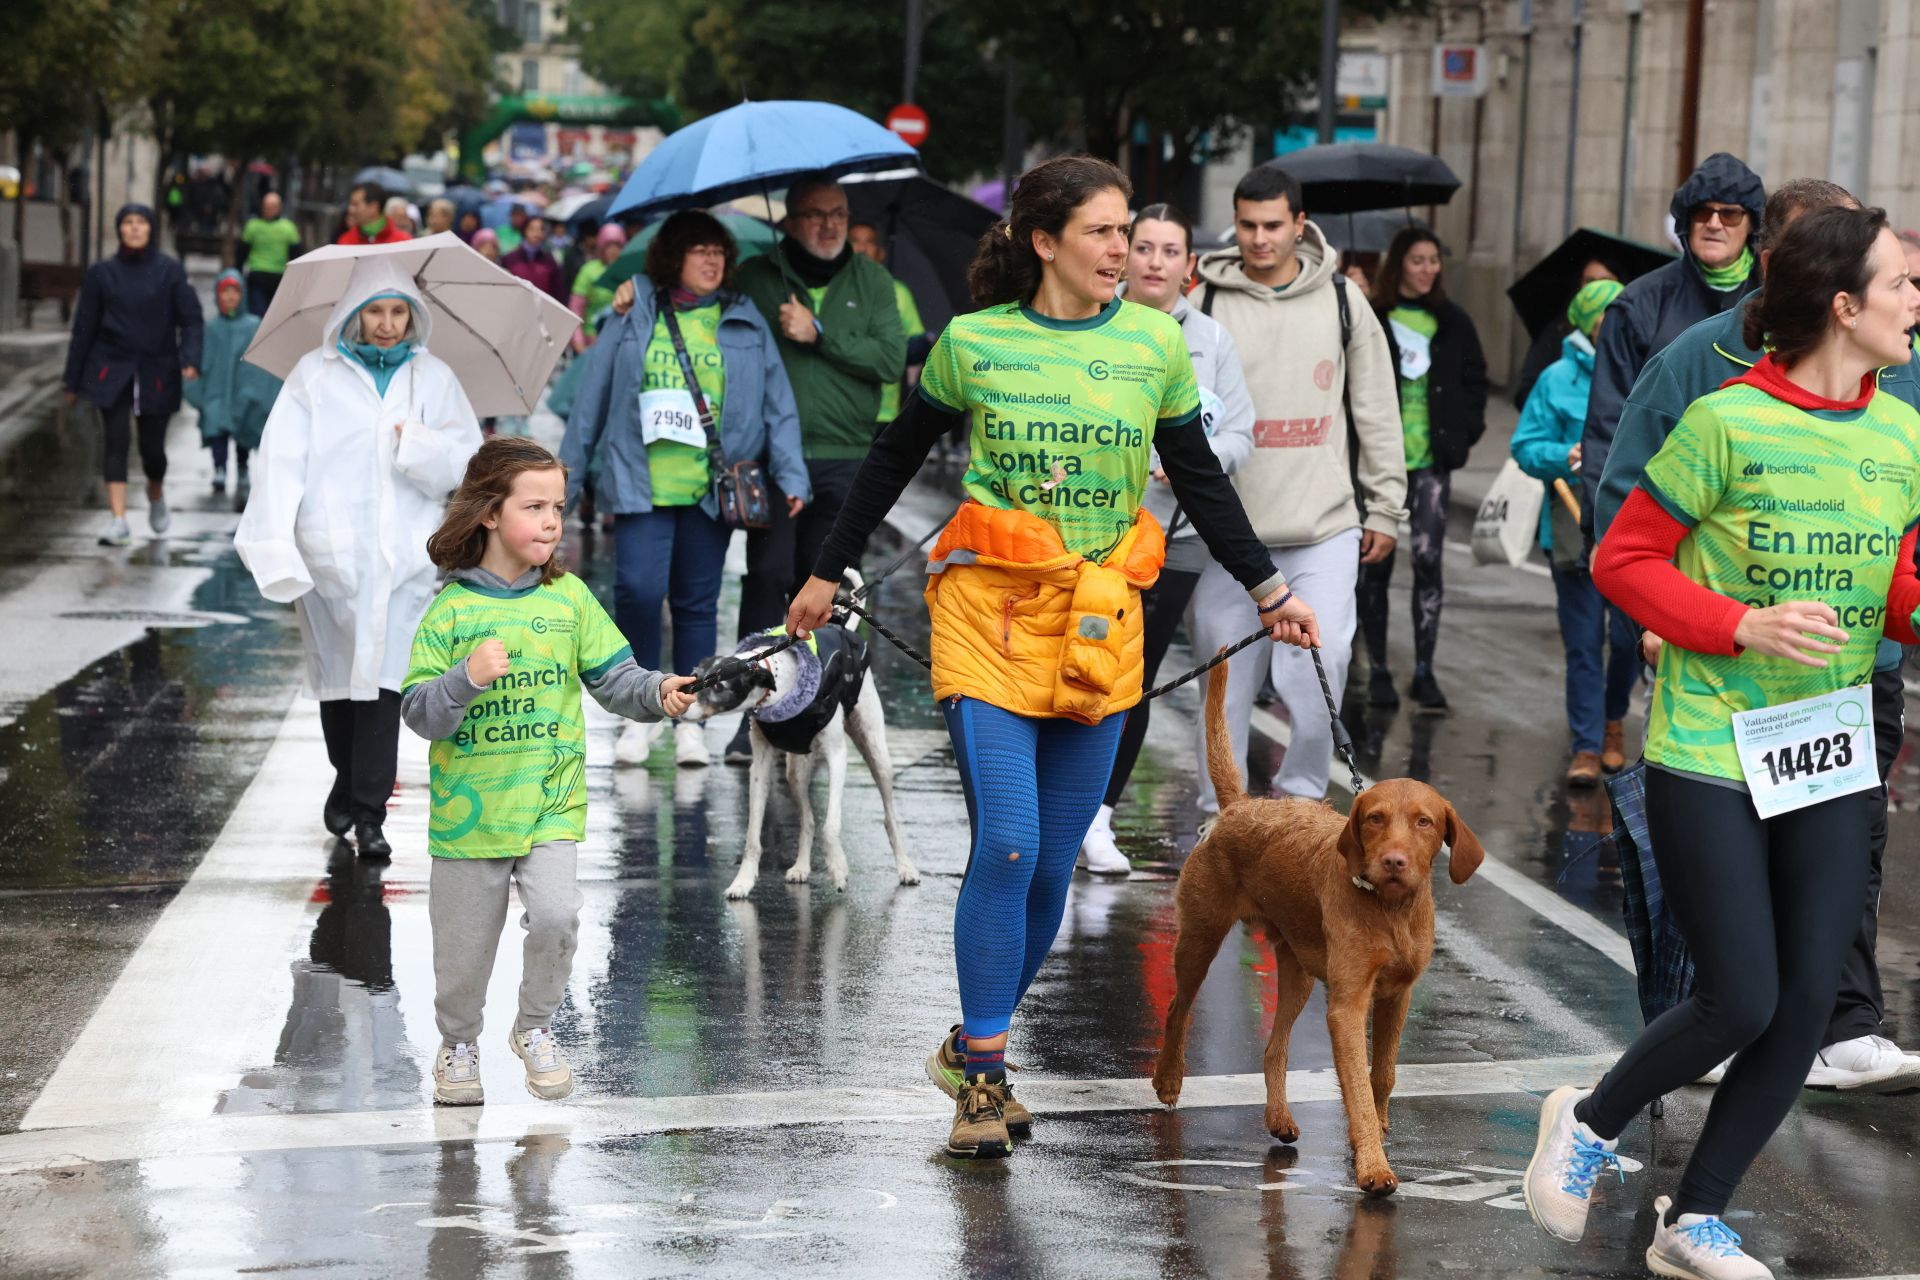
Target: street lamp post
point(1329, 65)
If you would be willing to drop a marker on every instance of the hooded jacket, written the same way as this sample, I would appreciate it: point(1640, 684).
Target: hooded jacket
point(342, 507)
point(233, 396)
point(137, 319)
point(758, 422)
point(1551, 424)
point(1298, 483)
point(1660, 306)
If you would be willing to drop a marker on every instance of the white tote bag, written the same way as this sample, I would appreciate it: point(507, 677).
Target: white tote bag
point(1507, 526)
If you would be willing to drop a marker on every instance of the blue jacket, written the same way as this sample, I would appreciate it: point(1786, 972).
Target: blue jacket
point(1552, 422)
point(758, 420)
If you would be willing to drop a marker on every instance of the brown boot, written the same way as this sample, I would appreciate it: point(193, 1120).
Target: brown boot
point(980, 1123)
point(1584, 771)
point(1613, 748)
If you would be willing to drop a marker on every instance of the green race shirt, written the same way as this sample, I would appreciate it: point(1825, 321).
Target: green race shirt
point(915, 327)
point(1782, 504)
point(513, 775)
point(679, 471)
point(1415, 425)
point(269, 243)
point(586, 283)
point(1062, 413)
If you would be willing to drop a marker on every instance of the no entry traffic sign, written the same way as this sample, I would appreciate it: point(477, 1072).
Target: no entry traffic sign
point(909, 122)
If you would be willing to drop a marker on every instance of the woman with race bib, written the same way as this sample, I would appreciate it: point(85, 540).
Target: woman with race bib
point(1771, 542)
point(1034, 587)
point(636, 406)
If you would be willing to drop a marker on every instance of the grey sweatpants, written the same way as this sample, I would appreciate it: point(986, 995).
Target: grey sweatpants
point(467, 907)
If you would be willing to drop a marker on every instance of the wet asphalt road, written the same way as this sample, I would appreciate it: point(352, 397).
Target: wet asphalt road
point(220, 1025)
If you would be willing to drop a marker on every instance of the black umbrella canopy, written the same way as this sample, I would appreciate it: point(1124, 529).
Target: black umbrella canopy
point(1542, 294)
point(930, 234)
point(1370, 232)
point(1354, 177)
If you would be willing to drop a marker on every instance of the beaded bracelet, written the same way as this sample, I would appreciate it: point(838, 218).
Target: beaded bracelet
point(1277, 604)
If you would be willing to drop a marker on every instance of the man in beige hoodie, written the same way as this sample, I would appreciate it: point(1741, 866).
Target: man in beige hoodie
point(1307, 360)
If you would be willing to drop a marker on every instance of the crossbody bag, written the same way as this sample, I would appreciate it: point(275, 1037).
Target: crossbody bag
point(740, 488)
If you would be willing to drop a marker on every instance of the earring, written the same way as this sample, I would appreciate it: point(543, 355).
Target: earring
point(1049, 257)
point(1853, 324)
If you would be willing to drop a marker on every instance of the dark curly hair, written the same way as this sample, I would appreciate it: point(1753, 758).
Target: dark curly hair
point(686, 230)
point(1005, 267)
point(1820, 254)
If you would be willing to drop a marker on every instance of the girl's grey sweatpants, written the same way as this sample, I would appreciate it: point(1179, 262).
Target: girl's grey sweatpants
point(467, 905)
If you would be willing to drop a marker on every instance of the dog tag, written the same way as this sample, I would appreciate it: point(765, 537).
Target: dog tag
point(1801, 753)
point(668, 414)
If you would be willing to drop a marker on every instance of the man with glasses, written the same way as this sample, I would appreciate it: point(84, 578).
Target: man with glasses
point(839, 331)
point(1716, 212)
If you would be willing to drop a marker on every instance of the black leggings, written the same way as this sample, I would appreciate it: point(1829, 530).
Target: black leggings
point(1427, 491)
point(1769, 909)
point(1163, 607)
point(153, 440)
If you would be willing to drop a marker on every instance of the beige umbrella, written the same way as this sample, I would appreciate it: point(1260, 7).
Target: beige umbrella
point(501, 336)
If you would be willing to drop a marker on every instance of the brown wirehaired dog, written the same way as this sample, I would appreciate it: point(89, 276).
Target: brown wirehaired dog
point(1348, 901)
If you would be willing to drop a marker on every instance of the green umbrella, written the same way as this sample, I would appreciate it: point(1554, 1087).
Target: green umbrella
point(753, 237)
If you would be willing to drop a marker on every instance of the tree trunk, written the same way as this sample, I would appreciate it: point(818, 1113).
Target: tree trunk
point(230, 248)
point(24, 143)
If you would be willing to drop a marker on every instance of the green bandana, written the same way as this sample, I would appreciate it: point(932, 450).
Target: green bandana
point(1583, 313)
point(1731, 276)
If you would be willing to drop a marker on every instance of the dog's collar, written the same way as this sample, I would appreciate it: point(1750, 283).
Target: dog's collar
point(806, 685)
point(1361, 882)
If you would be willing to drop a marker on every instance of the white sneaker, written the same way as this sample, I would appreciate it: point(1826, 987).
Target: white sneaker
point(159, 519)
point(1098, 852)
point(118, 533)
point(636, 741)
point(1699, 1246)
point(456, 1076)
point(548, 1075)
point(1873, 1063)
point(1716, 1075)
point(690, 746)
point(1567, 1160)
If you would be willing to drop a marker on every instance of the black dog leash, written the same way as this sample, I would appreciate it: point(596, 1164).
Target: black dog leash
point(1342, 740)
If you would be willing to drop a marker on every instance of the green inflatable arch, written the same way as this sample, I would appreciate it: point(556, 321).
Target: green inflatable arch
point(561, 109)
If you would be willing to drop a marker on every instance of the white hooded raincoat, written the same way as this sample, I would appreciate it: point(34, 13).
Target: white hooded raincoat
point(341, 507)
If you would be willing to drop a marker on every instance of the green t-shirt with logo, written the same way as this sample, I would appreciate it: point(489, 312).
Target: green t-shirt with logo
point(269, 243)
point(1062, 413)
point(915, 327)
point(1781, 504)
point(514, 773)
point(586, 283)
point(1415, 424)
point(679, 471)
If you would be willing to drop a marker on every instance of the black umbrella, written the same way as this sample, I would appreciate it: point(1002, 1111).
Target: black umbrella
point(1370, 232)
point(1542, 294)
point(1353, 177)
point(930, 234)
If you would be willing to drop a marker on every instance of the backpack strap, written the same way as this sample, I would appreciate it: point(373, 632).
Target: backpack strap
point(1206, 301)
point(1346, 390)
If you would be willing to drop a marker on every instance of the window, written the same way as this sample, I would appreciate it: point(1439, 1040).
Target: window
point(530, 75)
point(530, 23)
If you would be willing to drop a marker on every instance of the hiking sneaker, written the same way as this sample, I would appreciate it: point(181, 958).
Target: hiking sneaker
point(1566, 1161)
point(1585, 769)
point(1698, 1246)
point(1380, 692)
point(635, 742)
point(456, 1076)
point(690, 746)
point(159, 519)
point(1425, 691)
point(947, 1068)
point(118, 533)
point(1613, 747)
point(1871, 1063)
point(1099, 853)
point(548, 1075)
point(980, 1123)
point(740, 745)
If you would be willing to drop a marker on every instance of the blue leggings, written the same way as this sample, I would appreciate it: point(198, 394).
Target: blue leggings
point(1026, 837)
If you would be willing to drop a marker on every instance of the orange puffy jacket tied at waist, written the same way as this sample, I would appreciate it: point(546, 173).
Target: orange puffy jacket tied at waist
point(1023, 623)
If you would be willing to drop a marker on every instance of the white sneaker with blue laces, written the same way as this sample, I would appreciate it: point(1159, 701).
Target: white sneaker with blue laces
point(1699, 1246)
point(1567, 1160)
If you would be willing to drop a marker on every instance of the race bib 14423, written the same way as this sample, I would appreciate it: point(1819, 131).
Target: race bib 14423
point(1801, 753)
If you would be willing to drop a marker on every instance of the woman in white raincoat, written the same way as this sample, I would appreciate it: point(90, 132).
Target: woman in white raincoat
point(365, 442)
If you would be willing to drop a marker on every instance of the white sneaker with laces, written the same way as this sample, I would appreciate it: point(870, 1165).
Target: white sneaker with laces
point(1873, 1063)
point(159, 519)
point(635, 742)
point(1567, 1160)
point(118, 533)
point(1699, 1246)
point(690, 746)
point(548, 1075)
point(456, 1076)
point(1099, 853)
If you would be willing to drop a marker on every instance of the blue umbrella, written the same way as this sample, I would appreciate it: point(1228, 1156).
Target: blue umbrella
point(497, 211)
point(756, 146)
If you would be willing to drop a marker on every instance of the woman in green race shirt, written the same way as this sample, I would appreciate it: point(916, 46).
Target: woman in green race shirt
point(1067, 392)
point(590, 301)
point(634, 404)
point(1770, 542)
